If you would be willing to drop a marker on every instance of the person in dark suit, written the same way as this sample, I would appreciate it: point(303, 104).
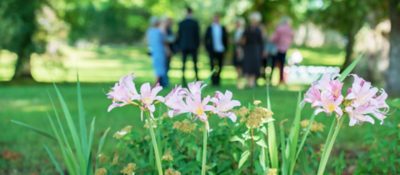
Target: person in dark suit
point(188, 41)
point(216, 42)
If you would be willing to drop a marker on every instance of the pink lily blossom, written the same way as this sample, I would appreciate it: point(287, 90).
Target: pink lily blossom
point(123, 92)
point(189, 100)
point(223, 105)
point(326, 95)
point(365, 102)
point(175, 101)
point(329, 104)
point(148, 96)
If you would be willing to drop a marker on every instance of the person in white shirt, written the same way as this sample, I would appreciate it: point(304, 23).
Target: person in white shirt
point(216, 40)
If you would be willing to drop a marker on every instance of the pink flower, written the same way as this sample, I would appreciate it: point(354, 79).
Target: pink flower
point(123, 92)
point(326, 95)
point(175, 101)
point(198, 107)
point(313, 96)
point(148, 96)
point(329, 104)
point(365, 102)
point(223, 105)
point(182, 100)
point(195, 103)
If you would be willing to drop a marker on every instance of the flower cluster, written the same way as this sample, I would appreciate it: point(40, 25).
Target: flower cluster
point(315, 126)
point(255, 117)
point(326, 95)
point(129, 169)
point(123, 132)
point(184, 126)
point(171, 171)
point(181, 100)
point(124, 92)
point(168, 156)
point(361, 102)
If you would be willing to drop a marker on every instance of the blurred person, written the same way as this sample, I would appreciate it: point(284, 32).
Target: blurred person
point(269, 52)
point(156, 42)
point(252, 46)
point(282, 38)
point(216, 42)
point(169, 38)
point(238, 49)
point(188, 41)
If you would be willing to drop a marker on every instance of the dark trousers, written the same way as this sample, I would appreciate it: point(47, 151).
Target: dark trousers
point(216, 63)
point(163, 81)
point(193, 54)
point(168, 63)
point(279, 58)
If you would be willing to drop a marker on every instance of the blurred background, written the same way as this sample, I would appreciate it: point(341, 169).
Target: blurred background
point(103, 39)
point(45, 41)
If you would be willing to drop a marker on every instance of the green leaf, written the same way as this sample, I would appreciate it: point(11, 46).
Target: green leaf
point(262, 143)
point(237, 139)
point(53, 160)
point(283, 147)
point(64, 142)
point(272, 146)
point(82, 119)
point(243, 158)
point(262, 160)
point(102, 141)
point(306, 133)
point(30, 127)
point(208, 79)
point(350, 68)
point(291, 147)
point(73, 131)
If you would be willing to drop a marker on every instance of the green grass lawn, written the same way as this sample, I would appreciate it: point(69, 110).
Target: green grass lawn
point(30, 103)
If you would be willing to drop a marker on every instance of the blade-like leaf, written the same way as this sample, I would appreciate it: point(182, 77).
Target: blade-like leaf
point(272, 146)
point(73, 131)
point(82, 119)
point(208, 79)
point(350, 68)
point(102, 141)
point(41, 132)
point(283, 147)
point(307, 131)
point(53, 160)
point(294, 136)
point(262, 160)
point(64, 142)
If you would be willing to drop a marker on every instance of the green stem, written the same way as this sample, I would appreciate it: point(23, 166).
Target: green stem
point(303, 140)
point(203, 164)
point(155, 146)
point(329, 145)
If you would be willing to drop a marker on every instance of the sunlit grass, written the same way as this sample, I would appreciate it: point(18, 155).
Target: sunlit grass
point(108, 63)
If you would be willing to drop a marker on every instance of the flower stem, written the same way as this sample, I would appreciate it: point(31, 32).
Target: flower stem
point(203, 164)
point(155, 146)
point(329, 144)
point(252, 151)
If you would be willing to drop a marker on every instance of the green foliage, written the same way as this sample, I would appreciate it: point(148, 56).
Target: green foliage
point(74, 144)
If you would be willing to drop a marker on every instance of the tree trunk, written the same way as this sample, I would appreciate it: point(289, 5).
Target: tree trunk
point(349, 49)
point(23, 65)
point(392, 76)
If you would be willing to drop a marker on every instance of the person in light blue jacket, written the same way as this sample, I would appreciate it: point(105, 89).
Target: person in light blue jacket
point(157, 50)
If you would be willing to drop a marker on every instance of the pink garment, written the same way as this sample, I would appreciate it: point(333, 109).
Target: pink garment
point(283, 37)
